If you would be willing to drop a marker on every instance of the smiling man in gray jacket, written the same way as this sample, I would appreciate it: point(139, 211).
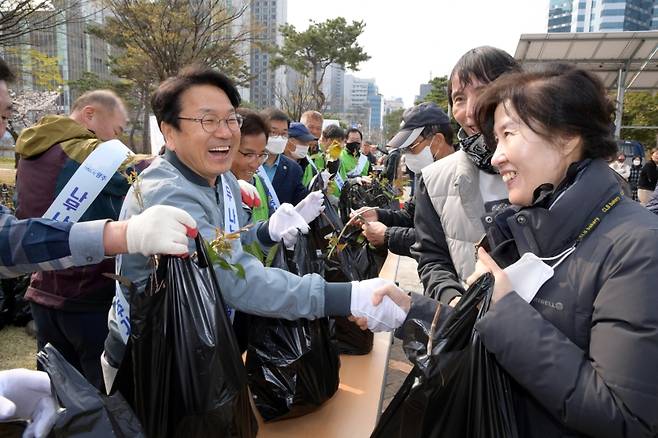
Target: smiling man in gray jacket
point(196, 113)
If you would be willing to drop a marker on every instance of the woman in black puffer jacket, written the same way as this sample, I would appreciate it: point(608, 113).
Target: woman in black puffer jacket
point(581, 346)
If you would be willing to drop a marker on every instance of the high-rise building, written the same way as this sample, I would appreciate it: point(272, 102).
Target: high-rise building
point(393, 104)
point(267, 16)
point(423, 91)
point(559, 15)
point(363, 104)
point(242, 24)
point(356, 92)
point(376, 104)
point(602, 15)
point(75, 50)
point(334, 89)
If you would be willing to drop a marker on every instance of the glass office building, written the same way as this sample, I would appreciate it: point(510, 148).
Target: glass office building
point(602, 15)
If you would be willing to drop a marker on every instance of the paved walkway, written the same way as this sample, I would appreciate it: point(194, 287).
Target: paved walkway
point(398, 365)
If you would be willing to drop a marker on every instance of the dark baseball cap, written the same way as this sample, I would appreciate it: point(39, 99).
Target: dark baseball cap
point(414, 120)
point(300, 131)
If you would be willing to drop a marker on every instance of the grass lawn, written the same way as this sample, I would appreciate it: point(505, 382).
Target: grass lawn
point(7, 175)
point(6, 163)
point(17, 349)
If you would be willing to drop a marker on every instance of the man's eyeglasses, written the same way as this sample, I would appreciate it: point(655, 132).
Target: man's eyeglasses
point(412, 146)
point(211, 123)
point(251, 156)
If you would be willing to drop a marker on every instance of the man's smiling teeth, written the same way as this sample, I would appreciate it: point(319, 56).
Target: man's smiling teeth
point(220, 149)
point(508, 176)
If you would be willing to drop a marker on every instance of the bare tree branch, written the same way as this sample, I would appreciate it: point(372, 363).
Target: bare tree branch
point(298, 99)
point(175, 33)
point(21, 17)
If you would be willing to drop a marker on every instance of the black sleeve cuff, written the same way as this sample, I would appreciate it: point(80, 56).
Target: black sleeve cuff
point(387, 235)
point(448, 294)
point(337, 299)
point(383, 216)
point(263, 234)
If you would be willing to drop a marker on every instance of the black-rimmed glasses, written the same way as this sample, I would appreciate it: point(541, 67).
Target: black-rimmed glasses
point(211, 123)
point(252, 156)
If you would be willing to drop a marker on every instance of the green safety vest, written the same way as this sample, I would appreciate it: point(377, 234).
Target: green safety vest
point(261, 213)
point(309, 172)
point(348, 162)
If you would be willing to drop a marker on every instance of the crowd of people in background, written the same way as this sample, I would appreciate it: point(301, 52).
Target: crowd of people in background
point(533, 171)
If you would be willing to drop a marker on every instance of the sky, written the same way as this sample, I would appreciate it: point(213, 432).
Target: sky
point(411, 41)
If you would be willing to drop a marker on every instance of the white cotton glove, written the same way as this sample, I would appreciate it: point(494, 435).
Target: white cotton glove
point(311, 206)
point(361, 180)
point(387, 316)
point(26, 395)
point(285, 223)
point(161, 229)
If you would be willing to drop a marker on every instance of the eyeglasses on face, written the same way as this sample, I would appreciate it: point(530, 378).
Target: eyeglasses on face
point(413, 145)
point(211, 123)
point(251, 156)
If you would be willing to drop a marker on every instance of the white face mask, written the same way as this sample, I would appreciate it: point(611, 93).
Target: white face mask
point(276, 144)
point(300, 152)
point(529, 273)
point(416, 162)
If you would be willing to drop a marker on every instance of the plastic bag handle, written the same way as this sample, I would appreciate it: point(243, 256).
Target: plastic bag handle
point(203, 261)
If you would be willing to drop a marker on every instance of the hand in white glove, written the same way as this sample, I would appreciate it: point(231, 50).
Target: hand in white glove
point(285, 223)
point(386, 316)
point(26, 395)
point(160, 229)
point(361, 180)
point(311, 206)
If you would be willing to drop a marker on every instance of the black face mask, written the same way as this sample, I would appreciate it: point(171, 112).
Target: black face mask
point(353, 147)
point(478, 152)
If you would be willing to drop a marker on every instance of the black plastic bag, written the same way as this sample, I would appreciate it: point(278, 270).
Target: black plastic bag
point(354, 196)
point(356, 261)
point(456, 388)
point(85, 412)
point(188, 379)
point(292, 366)
point(326, 223)
point(14, 309)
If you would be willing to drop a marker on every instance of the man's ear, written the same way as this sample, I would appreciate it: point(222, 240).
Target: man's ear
point(88, 112)
point(167, 132)
point(438, 142)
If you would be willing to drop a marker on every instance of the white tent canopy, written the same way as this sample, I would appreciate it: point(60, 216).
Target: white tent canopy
point(623, 60)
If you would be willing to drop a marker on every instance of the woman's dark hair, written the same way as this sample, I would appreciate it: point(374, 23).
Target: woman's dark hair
point(555, 100)
point(333, 132)
point(354, 130)
point(165, 102)
point(276, 114)
point(253, 123)
point(484, 64)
